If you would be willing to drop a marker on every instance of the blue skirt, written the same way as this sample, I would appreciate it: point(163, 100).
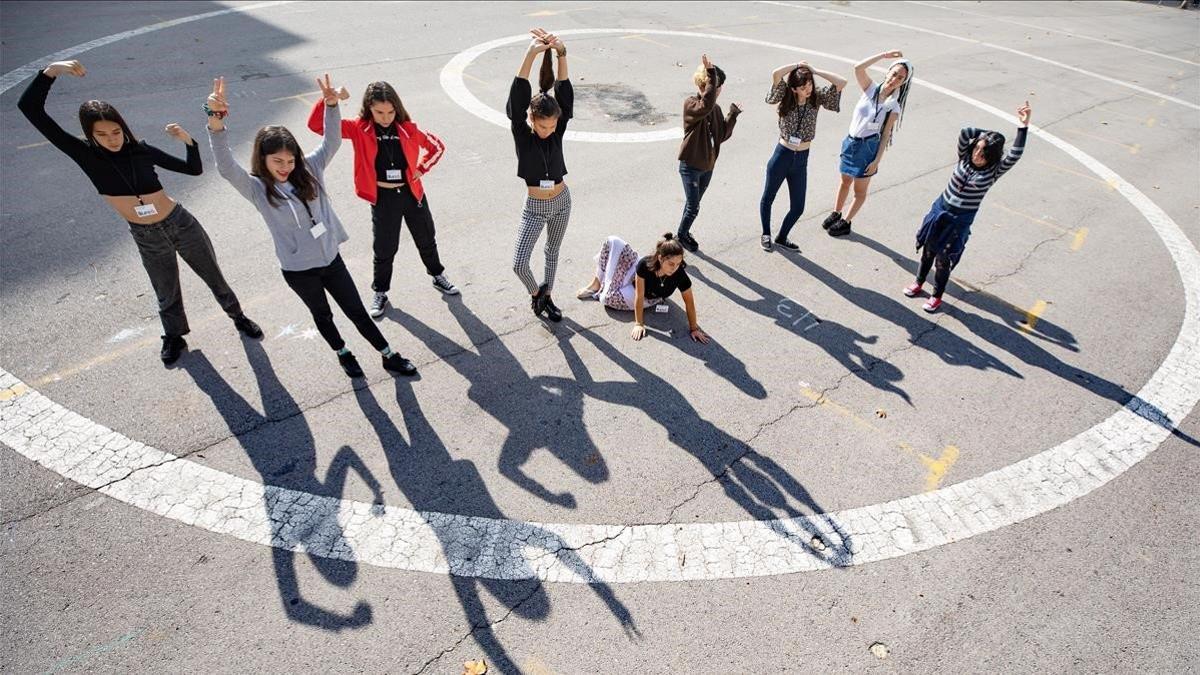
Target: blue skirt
point(857, 153)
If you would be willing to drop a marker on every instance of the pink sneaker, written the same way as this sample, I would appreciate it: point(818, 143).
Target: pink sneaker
point(912, 290)
point(932, 305)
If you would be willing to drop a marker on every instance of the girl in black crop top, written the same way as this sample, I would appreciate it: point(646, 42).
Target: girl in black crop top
point(122, 170)
point(539, 146)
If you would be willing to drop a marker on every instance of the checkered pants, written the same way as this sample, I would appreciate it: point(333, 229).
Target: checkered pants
point(552, 214)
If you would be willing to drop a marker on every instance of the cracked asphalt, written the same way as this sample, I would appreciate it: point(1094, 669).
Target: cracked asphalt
point(510, 419)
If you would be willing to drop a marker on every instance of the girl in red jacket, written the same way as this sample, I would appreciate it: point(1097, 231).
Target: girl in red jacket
point(390, 156)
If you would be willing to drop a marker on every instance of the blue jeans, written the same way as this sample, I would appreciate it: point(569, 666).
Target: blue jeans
point(695, 182)
point(792, 166)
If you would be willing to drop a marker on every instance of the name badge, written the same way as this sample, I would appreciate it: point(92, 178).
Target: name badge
point(794, 140)
point(317, 230)
point(395, 174)
point(546, 184)
point(661, 308)
point(145, 210)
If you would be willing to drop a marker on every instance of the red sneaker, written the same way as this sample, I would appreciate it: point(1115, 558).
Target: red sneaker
point(932, 305)
point(912, 290)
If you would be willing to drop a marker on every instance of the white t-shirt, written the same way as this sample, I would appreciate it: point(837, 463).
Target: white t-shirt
point(869, 116)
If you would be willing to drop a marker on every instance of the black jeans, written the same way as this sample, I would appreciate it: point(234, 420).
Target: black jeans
point(391, 207)
point(695, 182)
point(180, 233)
point(311, 285)
point(942, 276)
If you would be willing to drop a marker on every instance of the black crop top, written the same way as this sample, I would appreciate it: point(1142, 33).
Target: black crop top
point(390, 155)
point(127, 172)
point(662, 287)
point(539, 158)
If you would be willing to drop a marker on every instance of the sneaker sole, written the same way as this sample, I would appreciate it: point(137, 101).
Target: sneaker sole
point(447, 291)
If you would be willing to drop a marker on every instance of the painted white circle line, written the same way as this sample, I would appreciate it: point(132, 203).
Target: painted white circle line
point(162, 483)
point(14, 77)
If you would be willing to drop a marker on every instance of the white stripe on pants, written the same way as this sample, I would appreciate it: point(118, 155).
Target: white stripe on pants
point(552, 214)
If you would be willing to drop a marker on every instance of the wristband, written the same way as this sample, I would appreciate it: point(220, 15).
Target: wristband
point(219, 114)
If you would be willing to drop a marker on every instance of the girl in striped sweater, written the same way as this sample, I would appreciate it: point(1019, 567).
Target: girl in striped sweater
point(946, 228)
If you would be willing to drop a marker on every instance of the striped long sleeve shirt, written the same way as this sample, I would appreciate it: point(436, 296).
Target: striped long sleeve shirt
point(968, 184)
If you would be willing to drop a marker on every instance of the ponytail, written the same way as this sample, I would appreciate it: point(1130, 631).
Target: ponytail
point(667, 247)
point(546, 74)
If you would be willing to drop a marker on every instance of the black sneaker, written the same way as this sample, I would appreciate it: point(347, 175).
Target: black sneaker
point(839, 229)
point(172, 347)
point(536, 304)
point(765, 242)
point(689, 242)
point(247, 327)
point(398, 364)
point(787, 244)
point(552, 311)
point(350, 365)
point(831, 219)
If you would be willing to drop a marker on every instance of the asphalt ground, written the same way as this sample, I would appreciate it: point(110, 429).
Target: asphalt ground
point(1064, 305)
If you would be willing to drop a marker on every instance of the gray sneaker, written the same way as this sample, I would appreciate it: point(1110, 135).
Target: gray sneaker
point(765, 242)
point(443, 284)
point(378, 304)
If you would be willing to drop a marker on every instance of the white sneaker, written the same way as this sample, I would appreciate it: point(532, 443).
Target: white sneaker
point(443, 284)
point(378, 304)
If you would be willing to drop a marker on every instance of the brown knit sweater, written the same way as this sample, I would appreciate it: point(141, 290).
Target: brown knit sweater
point(704, 127)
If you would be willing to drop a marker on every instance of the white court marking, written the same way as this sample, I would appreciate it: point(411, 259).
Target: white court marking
point(990, 45)
point(1111, 43)
point(164, 484)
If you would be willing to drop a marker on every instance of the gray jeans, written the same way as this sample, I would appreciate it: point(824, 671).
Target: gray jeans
point(158, 244)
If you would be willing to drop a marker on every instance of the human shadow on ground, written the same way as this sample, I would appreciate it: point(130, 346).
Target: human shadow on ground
point(750, 479)
point(539, 412)
point(714, 355)
point(279, 443)
point(843, 343)
point(480, 551)
point(1008, 336)
point(1011, 315)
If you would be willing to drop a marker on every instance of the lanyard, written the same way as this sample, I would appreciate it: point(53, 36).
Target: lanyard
point(132, 174)
point(296, 215)
point(387, 146)
point(545, 154)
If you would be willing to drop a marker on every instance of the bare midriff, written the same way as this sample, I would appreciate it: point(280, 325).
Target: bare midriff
point(797, 148)
point(125, 205)
point(546, 193)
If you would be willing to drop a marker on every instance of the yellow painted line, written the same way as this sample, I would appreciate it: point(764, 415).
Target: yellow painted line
point(643, 38)
point(299, 97)
point(1032, 316)
point(1040, 221)
point(1132, 148)
point(1080, 235)
point(1148, 121)
point(13, 392)
point(33, 145)
point(938, 467)
point(1107, 184)
point(480, 80)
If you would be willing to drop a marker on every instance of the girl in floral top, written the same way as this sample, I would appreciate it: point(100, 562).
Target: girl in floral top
point(793, 88)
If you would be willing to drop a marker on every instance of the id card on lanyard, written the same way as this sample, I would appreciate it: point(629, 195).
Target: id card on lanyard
point(317, 228)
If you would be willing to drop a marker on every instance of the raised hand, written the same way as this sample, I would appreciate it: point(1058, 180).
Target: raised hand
point(68, 67)
point(1023, 114)
point(343, 93)
point(705, 62)
point(735, 108)
point(539, 43)
point(216, 100)
point(893, 54)
point(175, 131)
point(330, 94)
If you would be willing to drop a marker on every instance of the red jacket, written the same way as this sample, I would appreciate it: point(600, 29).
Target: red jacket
point(362, 134)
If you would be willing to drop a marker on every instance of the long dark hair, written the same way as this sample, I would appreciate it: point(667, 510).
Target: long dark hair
point(94, 111)
point(797, 78)
point(901, 95)
point(270, 140)
point(667, 247)
point(993, 150)
point(382, 92)
point(543, 104)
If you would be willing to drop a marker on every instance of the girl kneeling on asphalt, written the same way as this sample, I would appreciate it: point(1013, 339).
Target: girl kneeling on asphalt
point(286, 187)
point(391, 155)
point(122, 169)
point(626, 282)
point(945, 229)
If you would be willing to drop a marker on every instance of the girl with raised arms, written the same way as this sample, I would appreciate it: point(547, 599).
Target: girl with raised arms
point(286, 186)
point(122, 170)
point(539, 146)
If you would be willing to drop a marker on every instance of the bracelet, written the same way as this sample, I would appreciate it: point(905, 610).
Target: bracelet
point(562, 53)
point(219, 114)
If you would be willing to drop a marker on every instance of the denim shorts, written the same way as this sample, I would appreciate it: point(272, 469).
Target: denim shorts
point(857, 153)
